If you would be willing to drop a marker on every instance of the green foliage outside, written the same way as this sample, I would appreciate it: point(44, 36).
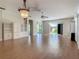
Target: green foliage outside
point(54, 31)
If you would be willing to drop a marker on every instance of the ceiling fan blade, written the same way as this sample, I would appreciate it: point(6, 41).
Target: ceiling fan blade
point(44, 17)
point(2, 8)
point(34, 9)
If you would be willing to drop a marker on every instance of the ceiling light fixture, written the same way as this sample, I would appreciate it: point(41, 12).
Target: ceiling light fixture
point(24, 11)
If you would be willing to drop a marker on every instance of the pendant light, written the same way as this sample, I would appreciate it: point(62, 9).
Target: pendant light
point(24, 11)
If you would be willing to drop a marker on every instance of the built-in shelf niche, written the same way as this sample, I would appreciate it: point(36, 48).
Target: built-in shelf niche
point(7, 31)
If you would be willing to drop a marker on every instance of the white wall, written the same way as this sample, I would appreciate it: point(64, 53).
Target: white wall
point(67, 26)
point(46, 28)
point(18, 33)
point(78, 30)
point(0, 25)
point(34, 27)
point(76, 17)
point(72, 26)
point(11, 15)
point(76, 27)
point(0, 31)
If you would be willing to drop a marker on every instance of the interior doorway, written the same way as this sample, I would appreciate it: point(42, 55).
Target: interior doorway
point(60, 29)
point(39, 28)
point(53, 29)
point(31, 28)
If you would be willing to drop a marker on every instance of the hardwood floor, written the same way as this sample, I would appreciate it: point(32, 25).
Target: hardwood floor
point(48, 47)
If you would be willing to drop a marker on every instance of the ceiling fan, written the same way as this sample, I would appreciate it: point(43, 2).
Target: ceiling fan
point(24, 11)
point(43, 16)
point(35, 7)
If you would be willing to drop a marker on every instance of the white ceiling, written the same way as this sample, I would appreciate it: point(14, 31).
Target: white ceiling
point(58, 8)
point(78, 6)
point(54, 9)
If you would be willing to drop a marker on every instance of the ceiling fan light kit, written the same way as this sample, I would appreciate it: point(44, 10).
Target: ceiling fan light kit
point(24, 12)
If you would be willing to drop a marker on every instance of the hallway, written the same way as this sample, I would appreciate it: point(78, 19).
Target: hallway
point(42, 47)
